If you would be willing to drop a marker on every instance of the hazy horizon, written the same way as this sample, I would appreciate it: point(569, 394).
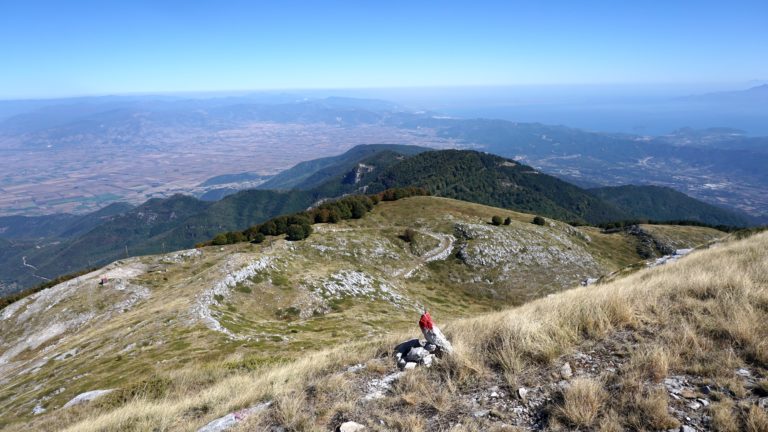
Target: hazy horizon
point(53, 49)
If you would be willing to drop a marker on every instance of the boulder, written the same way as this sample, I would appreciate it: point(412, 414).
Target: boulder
point(410, 365)
point(350, 426)
point(406, 346)
point(416, 354)
point(522, 392)
point(87, 397)
point(566, 372)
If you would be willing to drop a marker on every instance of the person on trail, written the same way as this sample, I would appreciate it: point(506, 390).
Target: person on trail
point(433, 334)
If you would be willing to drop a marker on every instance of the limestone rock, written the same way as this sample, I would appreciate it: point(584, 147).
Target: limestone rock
point(416, 354)
point(406, 346)
point(566, 372)
point(350, 426)
point(522, 392)
point(87, 397)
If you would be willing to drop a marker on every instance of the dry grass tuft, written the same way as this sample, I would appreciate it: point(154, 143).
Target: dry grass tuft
point(582, 402)
point(757, 420)
point(723, 419)
point(291, 412)
point(650, 410)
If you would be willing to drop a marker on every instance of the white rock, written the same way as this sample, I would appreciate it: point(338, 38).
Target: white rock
point(410, 365)
point(427, 361)
point(522, 392)
point(416, 354)
point(87, 397)
point(566, 372)
point(694, 406)
point(222, 424)
point(351, 426)
point(38, 409)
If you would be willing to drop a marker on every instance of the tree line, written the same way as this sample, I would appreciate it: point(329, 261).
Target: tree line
point(298, 226)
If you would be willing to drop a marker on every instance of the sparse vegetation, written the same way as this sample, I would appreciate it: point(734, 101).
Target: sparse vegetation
point(703, 315)
point(298, 226)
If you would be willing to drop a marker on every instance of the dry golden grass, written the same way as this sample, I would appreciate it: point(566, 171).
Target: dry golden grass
point(648, 410)
point(723, 419)
point(707, 314)
point(757, 420)
point(582, 402)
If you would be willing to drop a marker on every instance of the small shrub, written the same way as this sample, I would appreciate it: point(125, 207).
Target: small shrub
point(496, 220)
point(220, 239)
point(508, 220)
point(538, 220)
point(408, 236)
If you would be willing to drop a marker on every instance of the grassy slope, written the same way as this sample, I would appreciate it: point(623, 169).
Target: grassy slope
point(276, 310)
point(703, 316)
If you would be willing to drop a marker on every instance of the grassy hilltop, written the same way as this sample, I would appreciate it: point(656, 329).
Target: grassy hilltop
point(236, 310)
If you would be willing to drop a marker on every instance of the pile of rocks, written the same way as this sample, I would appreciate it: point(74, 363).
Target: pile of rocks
point(414, 352)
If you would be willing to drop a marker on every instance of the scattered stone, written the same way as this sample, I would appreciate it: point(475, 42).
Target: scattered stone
point(703, 402)
point(427, 361)
point(356, 368)
point(494, 395)
point(416, 354)
point(566, 372)
point(410, 365)
point(222, 424)
point(763, 403)
point(38, 409)
point(480, 413)
point(694, 406)
point(350, 426)
point(401, 363)
point(406, 346)
point(688, 394)
point(377, 387)
point(522, 392)
point(430, 347)
point(706, 389)
point(686, 428)
point(743, 372)
point(87, 397)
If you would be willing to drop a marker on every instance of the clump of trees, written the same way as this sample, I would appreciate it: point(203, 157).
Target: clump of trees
point(538, 220)
point(618, 225)
point(298, 226)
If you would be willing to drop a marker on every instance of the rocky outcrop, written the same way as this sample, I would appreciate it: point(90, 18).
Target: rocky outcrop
point(87, 397)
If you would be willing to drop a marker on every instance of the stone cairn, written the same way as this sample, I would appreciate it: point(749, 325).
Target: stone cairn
point(415, 352)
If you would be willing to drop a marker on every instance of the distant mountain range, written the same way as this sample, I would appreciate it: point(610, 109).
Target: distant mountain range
point(45, 247)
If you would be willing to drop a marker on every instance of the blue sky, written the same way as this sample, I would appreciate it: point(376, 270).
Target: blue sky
point(61, 48)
